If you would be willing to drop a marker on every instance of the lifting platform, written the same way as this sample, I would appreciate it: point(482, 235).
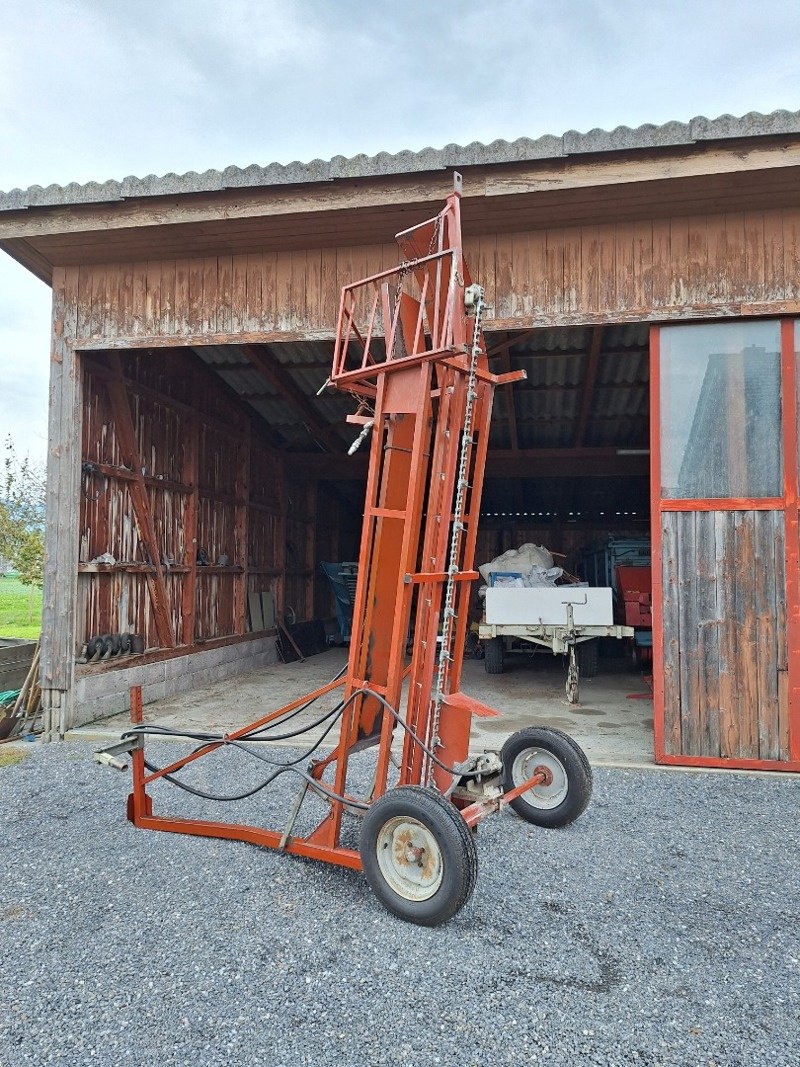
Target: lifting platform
point(410, 349)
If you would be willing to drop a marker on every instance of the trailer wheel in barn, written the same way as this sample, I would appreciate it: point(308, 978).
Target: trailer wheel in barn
point(493, 661)
point(567, 789)
point(418, 855)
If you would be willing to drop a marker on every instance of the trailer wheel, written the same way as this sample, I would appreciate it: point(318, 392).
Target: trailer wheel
point(568, 788)
point(493, 660)
point(588, 658)
point(418, 855)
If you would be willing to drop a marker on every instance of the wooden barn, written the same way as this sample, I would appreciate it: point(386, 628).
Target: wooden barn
point(648, 282)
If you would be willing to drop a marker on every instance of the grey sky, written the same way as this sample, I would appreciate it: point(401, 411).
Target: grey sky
point(97, 89)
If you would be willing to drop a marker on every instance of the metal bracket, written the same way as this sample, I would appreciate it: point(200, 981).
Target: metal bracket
point(108, 756)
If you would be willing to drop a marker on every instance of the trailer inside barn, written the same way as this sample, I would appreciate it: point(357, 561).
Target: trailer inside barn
point(646, 281)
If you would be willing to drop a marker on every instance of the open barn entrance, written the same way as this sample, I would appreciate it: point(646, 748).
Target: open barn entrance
point(572, 477)
point(221, 518)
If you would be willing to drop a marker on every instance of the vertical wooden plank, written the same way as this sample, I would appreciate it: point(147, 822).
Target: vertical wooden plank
point(191, 477)
point(662, 264)
point(697, 256)
point(643, 264)
point(169, 273)
point(754, 261)
point(744, 579)
point(194, 318)
point(791, 253)
point(554, 258)
point(716, 274)
point(625, 266)
point(671, 633)
point(269, 307)
point(572, 269)
point(83, 301)
point(330, 292)
point(224, 285)
point(707, 635)
point(485, 268)
point(254, 308)
point(180, 320)
point(125, 300)
point(692, 721)
point(537, 282)
point(238, 294)
point(765, 608)
point(152, 303)
point(139, 298)
point(738, 284)
point(284, 314)
point(607, 282)
point(242, 495)
point(522, 281)
point(300, 316)
point(724, 524)
point(774, 276)
point(590, 269)
point(504, 277)
point(679, 261)
point(210, 307)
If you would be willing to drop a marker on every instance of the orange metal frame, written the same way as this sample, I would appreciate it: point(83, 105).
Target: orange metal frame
point(788, 504)
point(416, 354)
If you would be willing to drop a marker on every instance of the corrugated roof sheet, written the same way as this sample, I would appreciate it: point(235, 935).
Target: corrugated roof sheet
point(622, 138)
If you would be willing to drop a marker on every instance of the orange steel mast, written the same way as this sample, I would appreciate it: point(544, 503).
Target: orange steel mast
point(410, 349)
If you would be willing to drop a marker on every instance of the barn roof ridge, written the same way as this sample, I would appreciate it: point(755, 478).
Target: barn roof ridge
point(523, 149)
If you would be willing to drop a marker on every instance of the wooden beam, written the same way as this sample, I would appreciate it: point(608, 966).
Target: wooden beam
point(500, 463)
point(126, 436)
point(62, 511)
point(241, 541)
point(280, 379)
point(191, 474)
point(589, 379)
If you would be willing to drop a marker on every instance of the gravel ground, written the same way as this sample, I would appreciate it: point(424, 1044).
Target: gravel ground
point(659, 929)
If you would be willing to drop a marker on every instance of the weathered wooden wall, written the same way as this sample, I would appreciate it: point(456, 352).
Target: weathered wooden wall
point(210, 484)
point(659, 268)
point(724, 624)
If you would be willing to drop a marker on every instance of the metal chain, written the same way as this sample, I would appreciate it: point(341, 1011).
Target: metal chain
point(448, 610)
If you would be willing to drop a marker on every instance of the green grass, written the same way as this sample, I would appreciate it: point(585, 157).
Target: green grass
point(10, 756)
point(14, 610)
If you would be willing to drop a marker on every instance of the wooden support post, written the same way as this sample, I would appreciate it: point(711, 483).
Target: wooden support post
point(57, 662)
point(126, 435)
point(191, 475)
point(242, 493)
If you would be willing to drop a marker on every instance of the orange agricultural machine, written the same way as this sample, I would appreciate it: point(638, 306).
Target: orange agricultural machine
point(410, 349)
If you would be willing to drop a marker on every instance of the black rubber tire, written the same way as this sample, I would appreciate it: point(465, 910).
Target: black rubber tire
point(94, 649)
point(456, 844)
point(588, 653)
point(572, 758)
point(494, 655)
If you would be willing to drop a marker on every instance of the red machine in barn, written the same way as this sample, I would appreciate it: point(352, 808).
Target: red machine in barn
point(410, 349)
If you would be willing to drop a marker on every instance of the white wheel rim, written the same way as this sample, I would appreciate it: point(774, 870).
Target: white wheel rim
point(409, 858)
point(544, 795)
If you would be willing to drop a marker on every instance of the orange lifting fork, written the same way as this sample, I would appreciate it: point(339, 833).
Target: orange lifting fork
point(410, 349)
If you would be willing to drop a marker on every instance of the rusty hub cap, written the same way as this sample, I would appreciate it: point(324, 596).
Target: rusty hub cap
point(409, 858)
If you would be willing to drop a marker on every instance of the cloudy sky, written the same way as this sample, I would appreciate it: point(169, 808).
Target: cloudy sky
point(97, 89)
